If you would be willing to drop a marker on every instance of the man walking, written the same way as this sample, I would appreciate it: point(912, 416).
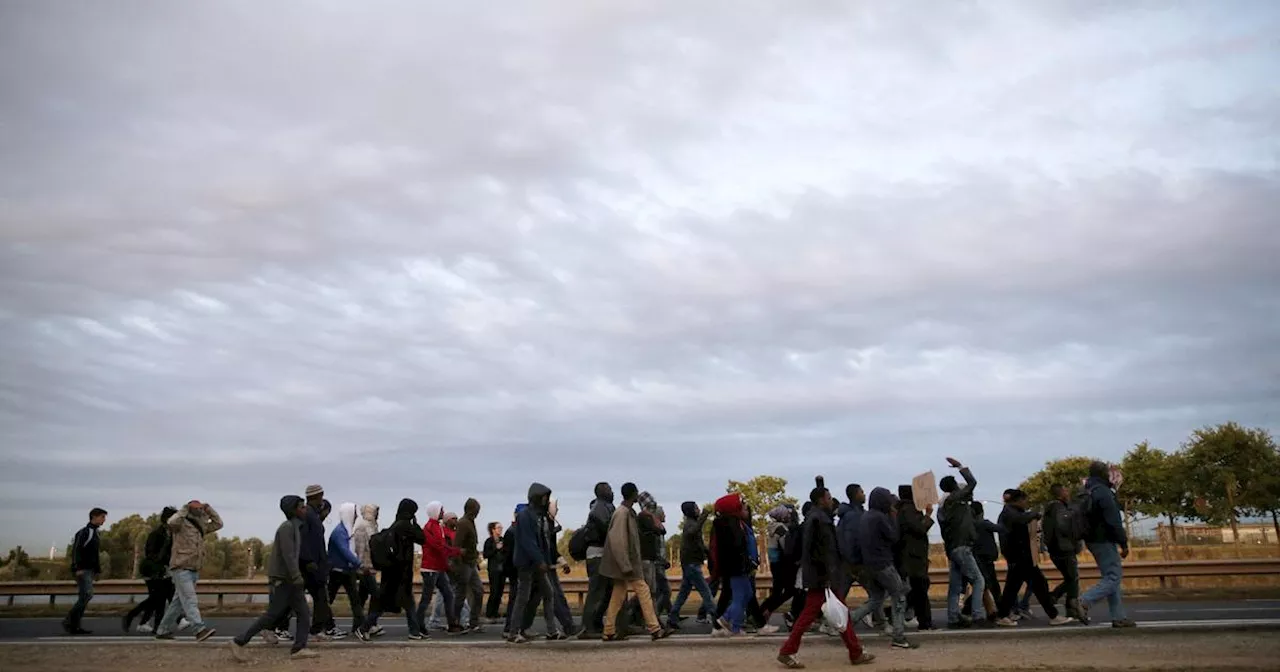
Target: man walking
point(155, 570)
point(623, 564)
point(286, 583)
point(958, 537)
point(1016, 544)
point(396, 591)
point(85, 566)
point(315, 566)
point(878, 536)
point(693, 554)
point(1063, 549)
point(533, 563)
point(344, 562)
point(1108, 544)
point(819, 559)
point(188, 526)
point(599, 587)
point(914, 548)
point(469, 589)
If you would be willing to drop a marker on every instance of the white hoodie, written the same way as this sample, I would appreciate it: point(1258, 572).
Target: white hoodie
point(347, 514)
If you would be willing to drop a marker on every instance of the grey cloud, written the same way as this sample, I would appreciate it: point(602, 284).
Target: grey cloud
point(431, 252)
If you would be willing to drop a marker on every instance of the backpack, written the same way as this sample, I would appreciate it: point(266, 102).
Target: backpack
point(578, 544)
point(382, 550)
point(1079, 516)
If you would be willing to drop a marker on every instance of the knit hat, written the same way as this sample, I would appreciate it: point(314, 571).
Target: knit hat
point(314, 491)
point(646, 501)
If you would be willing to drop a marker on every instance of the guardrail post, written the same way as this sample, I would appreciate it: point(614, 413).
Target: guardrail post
point(11, 600)
point(53, 600)
point(219, 600)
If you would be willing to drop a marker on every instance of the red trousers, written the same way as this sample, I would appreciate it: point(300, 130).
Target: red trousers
point(812, 611)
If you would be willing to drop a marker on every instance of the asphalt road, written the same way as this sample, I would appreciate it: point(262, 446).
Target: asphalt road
point(1152, 613)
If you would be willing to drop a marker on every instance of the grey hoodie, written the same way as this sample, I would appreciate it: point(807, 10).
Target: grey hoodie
point(283, 563)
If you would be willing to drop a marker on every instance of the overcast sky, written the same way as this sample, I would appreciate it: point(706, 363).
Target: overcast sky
point(419, 249)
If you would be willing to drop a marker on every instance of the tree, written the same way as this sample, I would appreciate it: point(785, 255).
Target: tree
point(761, 494)
point(1226, 466)
point(1068, 471)
point(1155, 484)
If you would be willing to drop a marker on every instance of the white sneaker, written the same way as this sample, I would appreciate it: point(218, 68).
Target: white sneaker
point(376, 631)
point(269, 637)
point(1061, 620)
point(183, 624)
point(1007, 622)
point(867, 621)
point(911, 623)
point(301, 654)
point(768, 630)
point(888, 629)
point(144, 628)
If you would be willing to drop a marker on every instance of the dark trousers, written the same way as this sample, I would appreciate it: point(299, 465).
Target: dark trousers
point(285, 598)
point(322, 616)
point(527, 578)
point(84, 593)
point(812, 611)
point(783, 589)
point(497, 585)
point(918, 600)
point(988, 568)
point(368, 594)
point(159, 592)
point(599, 592)
point(468, 589)
point(1070, 586)
point(350, 582)
point(1016, 576)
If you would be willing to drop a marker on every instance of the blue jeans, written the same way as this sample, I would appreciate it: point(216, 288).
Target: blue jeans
point(431, 582)
point(736, 614)
point(884, 583)
point(693, 580)
point(84, 593)
point(1110, 587)
point(185, 603)
point(964, 567)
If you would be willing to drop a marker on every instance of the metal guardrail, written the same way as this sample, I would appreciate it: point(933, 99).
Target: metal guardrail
point(578, 586)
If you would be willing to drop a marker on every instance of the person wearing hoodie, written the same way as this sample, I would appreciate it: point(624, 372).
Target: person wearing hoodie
point(877, 538)
point(599, 587)
point(1062, 548)
point(509, 566)
point(86, 567)
point(693, 554)
point(849, 523)
point(366, 577)
point(562, 613)
point(731, 552)
point(436, 553)
point(286, 582)
point(819, 568)
point(344, 566)
point(466, 567)
point(492, 555)
point(154, 569)
point(914, 554)
point(186, 558)
point(533, 563)
point(985, 552)
point(1016, 545)
point(314, 557)
point(782, 524)
point(1108, 543)
point(623, 564)
point(955, 516)
point(396, 591)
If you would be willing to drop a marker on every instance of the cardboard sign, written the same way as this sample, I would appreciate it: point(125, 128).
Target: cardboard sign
point(924, 490)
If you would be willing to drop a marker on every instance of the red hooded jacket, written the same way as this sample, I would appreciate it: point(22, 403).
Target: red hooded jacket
point(437, 551)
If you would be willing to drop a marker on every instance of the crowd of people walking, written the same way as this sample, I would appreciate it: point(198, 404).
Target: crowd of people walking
point(816, 554)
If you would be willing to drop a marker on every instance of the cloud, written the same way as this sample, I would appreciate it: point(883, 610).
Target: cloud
point(433, 252)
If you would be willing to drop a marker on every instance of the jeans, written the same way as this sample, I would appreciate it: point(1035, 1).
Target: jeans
point(693, 580)
point(183, 604)
point(1070, 586)
point(285, 597)
point(159, 592)
point(1018, 574)
point(599, 595)
point(438, 614)
point(527, 578)
point(641, 589)
point(813, 602)
point(882, 583)
point(84, 593)
point(736, 614)
point(561, 605)
point(497, 586)
point(471, 593)
point(964, 567)
point(350, 582)
point(431, 582)
point(918, 600)
point(1111, 585)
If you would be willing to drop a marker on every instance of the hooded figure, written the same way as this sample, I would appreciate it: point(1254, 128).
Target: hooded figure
point(730, 556)
point(912, 551)
point(156, 557)
point(282, 565)
point(365, 527)
point(397, 585)
point(879, 532)
point(468, 538)
point(436, 549)
point(342, 555)
point(531, 538)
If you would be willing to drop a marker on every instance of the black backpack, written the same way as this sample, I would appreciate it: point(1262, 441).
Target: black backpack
point(578, 544)
point(793, 545)
point(1080, 515)
point(383, 551)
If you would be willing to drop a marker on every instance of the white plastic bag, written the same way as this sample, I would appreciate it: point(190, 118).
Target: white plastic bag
point(836, 612)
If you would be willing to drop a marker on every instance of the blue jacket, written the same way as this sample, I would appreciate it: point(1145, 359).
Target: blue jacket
point(878, 531)
point(847, 532)
point(1105, 522)
point(312, 550)
point(341, 559)
point(531, 540)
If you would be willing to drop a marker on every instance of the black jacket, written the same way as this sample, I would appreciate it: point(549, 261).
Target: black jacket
point(1057, 529)
point(847, 533)
point(879, 531)
point(155, 558)
point(693, 548)
point(1106, 524)
point(651, 532)
point(913, 546)
point(492, 556)
point(819, 554)
point(730, 547)
point(313, 556)
point(84, 550)
point(956, 516)
point(396, 591)
point(985, 546)
point(1015, 542)
point(509, 552)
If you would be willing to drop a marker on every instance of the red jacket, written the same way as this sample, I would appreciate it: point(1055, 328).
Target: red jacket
point(437, 551)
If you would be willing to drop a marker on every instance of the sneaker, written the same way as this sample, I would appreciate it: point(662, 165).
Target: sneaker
point(662, 633)
point(911, 623)
point(183, 624)
point(303, 654)
point(888, 629)
point(1082, 613)
point(864, 659)
point(788, 620)
point(723, 623)
point(284, 635)
point(721, 632)
point(456, 630)
point(1124, 623)
point(417, 636)
point(377, 631)
point(1024, 614)
point(269, 637)
point(362, 634)
point(904, 643)
point(519, 639)
point(616, 637)
point(868, 621)
point(145, 629)
point(167, 635)
point(557, 636)
point(237, 652)
point(1007, 622)
point(336, 633)
point(702, 620)
point(790, 662)
point(319, 637)
point(204, 633)
point(769, 630)
point(1061, 620)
